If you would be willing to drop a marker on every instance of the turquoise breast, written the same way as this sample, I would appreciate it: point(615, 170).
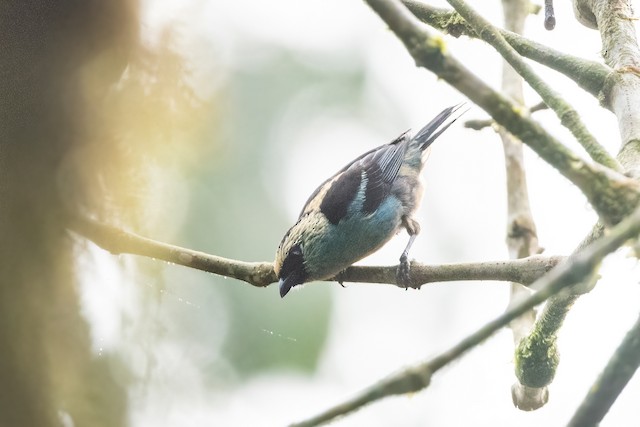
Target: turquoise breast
point(355, 237)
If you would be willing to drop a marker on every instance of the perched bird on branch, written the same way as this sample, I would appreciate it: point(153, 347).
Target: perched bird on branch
point(359, 209)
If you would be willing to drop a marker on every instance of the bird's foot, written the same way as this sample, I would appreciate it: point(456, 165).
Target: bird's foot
point(403, 273)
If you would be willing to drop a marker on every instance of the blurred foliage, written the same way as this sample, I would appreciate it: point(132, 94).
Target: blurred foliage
point(174, 166)
point(232, 215)
point(145, 131)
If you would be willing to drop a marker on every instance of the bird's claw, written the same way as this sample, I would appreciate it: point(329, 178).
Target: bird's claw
point(340, 278)
point(403, 273)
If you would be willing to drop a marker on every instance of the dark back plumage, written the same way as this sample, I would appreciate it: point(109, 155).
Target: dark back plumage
point(381, 149)
point(380, 165)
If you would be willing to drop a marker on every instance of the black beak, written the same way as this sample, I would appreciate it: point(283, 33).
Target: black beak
point(292, 272)
point(293, 279)
point(286, 283)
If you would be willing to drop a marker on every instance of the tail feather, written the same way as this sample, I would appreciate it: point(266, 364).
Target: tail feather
point(435, 127)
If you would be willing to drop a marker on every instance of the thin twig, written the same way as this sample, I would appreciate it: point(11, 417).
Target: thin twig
point(538, 107)
point(479, 124)
point(260, 274)
point(567, 115)
point(419, 376)
point(549, 15)
point(119, 241)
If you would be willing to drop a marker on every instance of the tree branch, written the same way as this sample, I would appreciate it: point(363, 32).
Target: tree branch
point(567, 115)
point(549, 15)
point(564, 275)
point(538, 359)
point(260, 274)
point(612, 195)
point(522, 237)
point(479, 124)
point(524, 271)
point(589, 75)
point(622, 90)
point(621, 367)
point(119, 241)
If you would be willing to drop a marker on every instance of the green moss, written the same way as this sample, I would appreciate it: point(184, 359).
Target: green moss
point(455, 25)
point(537, 360)
point(429, 52)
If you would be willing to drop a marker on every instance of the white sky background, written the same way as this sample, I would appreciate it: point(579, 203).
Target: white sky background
point(377, 329)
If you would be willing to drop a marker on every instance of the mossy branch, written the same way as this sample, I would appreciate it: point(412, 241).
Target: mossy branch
point(568, 116)
point(589, 75)
point(613, 195)
point(620, 50)
point(261, 274)
point(537, 357)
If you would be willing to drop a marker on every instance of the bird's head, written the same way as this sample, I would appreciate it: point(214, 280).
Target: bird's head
point(290, 264)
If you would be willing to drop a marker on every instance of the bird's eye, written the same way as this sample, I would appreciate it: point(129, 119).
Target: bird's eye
point(296, 250)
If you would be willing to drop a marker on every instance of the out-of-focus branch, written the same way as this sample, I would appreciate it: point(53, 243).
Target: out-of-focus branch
point(621, 367)
point(261, 274)
point(589, 75)
point(418, 377)
point(567, 115)
point(612, 195)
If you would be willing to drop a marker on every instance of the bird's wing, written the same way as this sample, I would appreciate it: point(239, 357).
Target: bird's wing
point(381, 170)
point(379, 167)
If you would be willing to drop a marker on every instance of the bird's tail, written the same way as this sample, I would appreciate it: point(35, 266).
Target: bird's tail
point(435, 127)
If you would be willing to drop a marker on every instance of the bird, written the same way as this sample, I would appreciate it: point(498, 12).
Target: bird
point(360, 208)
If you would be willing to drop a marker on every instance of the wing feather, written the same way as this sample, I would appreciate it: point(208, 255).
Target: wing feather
point(379, 166)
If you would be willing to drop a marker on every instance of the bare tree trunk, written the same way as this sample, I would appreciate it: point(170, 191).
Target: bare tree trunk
point(47, 371)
